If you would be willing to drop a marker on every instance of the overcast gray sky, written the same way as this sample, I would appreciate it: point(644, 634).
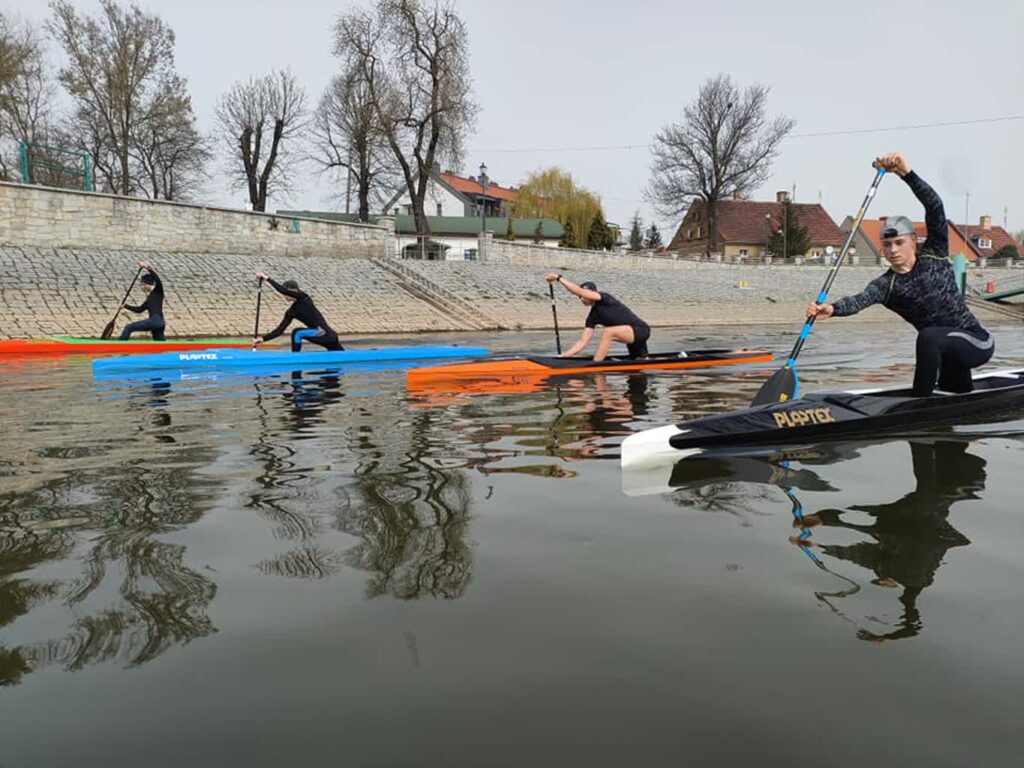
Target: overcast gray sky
point(581, 74)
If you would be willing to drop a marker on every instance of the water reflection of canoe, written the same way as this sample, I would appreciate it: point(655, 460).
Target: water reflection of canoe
point(823, 416)
point(71, 345)
point(540, 366)
point(245, 359)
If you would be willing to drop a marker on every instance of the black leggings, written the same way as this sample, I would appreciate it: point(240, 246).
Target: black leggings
point(948, 355)
point(154, 325)
point(328, 339)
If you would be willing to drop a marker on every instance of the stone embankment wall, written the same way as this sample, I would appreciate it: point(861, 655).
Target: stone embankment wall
point(75, 292)
point(49, 285)
point(42, 217)
point(62, 291)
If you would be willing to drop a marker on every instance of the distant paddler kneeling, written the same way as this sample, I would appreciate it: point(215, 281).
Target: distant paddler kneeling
point(154, 305)
point(304, 310)
point(619, 321)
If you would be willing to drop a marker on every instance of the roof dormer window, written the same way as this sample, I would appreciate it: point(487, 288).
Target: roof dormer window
point(984, 242)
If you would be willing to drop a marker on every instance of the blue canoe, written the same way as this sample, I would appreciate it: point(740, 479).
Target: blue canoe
point(239, 359)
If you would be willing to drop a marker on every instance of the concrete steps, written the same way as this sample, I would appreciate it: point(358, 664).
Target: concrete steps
point(442, 299)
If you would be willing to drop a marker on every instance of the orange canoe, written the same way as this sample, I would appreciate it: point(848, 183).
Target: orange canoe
point(444, 384)
point(70, 345)
point(539, 366)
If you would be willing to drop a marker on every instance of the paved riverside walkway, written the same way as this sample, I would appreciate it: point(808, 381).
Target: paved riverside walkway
point(75, 292)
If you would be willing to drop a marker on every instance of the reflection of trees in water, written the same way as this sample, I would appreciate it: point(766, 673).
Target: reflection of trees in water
point(723, 498)
point(285, 499)
point(22, 550)
point(412, 516)
point(306, 562)
point(410, 512)
point(163, 601)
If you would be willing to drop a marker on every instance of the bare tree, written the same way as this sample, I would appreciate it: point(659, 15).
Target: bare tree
point(27, 91)
point(257, 121)
point(414, 59)
point(348, 142)
point(120, 74)
point(171, 155)
point(725, 143)
point(11, 51)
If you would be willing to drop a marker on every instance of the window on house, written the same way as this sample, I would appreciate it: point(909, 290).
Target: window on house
point(743, 253)
point(689, 234)
point(984, 242)
point(699, 229)
point(438, 209)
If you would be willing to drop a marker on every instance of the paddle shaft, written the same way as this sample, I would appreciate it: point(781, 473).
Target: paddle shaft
point(259, 298)
point(110, 326)
point(554, 314)
point(837, 262)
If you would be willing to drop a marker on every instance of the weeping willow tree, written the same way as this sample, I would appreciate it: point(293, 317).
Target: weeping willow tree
point(553, 194)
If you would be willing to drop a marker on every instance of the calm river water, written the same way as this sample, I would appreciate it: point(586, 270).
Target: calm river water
point(307, 569)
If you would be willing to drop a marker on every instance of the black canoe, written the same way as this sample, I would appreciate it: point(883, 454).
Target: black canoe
point(822, 416)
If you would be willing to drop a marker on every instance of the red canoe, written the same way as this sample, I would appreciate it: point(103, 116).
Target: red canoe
point(69, 345)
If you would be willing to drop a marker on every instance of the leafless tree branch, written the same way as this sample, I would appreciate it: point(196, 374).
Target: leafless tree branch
point(349, 144)
point(258, 122)
point(414, 61)
point(725, 143)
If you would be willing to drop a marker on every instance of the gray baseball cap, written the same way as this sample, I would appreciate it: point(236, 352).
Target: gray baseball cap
point(896, 226)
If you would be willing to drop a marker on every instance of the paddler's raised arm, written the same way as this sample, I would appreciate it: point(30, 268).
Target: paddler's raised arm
point(571, 287)
point(937, 242)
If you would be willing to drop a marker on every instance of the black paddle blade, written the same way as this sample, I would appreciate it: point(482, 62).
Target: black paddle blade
point(108, 330)
point(782, 386)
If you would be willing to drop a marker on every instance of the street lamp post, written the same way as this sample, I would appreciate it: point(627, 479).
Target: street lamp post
point(484, 184)
point(785, 221)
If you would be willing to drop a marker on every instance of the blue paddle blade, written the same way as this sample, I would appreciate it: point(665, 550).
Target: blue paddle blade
point(783, 385)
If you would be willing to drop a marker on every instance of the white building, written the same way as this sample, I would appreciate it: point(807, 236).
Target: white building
point(452, 195)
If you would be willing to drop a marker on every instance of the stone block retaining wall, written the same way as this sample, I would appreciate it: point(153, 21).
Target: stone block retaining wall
point(42, 217)
point(208, 257)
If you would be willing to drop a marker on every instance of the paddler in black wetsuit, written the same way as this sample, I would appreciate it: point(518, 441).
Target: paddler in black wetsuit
point(154, 305)
point(919, 287)
point(619, 321)
point(304, 310)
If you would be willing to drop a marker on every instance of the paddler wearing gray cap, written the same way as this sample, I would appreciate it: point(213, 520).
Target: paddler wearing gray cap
point(620, 322)
point(919, 287)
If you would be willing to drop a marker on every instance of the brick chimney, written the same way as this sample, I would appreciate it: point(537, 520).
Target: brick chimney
point(782, 196)
point(986, 222)
point(737, 195)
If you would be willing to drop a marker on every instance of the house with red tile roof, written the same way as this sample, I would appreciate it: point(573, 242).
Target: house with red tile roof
point(744, 228)
point(449, 194)
point(868, 240)
point(988, 240)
